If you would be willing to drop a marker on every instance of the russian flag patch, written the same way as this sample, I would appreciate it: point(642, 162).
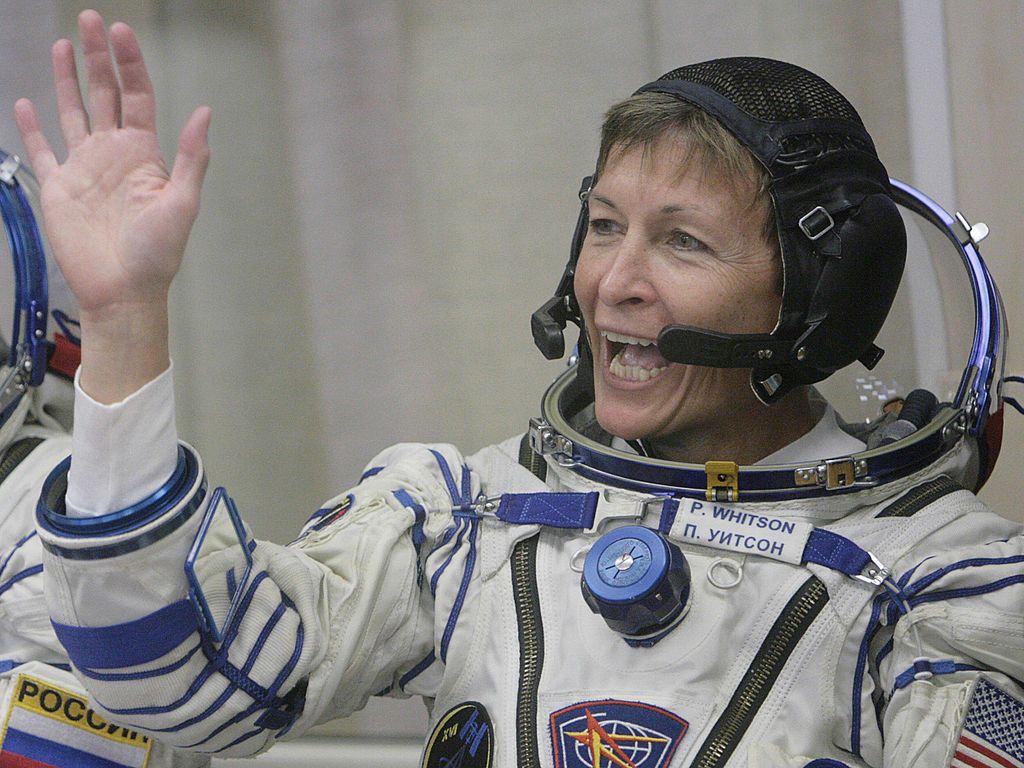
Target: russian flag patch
point(51, 727)
point(993, 730)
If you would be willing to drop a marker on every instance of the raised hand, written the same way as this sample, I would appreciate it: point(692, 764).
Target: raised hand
point(117, 221)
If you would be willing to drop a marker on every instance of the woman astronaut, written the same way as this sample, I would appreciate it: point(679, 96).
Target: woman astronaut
point(689, 560)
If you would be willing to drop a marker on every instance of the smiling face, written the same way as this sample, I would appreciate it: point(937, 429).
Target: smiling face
point(672, 240)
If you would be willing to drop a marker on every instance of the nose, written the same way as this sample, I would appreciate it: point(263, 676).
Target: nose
point(627, 278)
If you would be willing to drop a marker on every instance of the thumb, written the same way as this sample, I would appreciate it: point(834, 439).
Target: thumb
point(193, 155)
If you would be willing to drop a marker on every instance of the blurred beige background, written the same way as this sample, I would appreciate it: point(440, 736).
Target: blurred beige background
point(393, 190)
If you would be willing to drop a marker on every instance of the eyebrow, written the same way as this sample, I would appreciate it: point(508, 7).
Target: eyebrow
point(604, 200)
point(668, 209)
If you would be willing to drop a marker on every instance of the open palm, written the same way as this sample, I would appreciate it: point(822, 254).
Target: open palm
point(117, 220)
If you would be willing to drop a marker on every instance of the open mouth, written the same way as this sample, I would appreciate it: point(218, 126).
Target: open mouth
point(632, 358)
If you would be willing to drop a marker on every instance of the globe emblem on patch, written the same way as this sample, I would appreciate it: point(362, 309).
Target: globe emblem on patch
point(634, 743)
point(626, 734)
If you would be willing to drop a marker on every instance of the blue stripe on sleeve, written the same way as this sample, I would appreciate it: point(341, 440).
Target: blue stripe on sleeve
point(158, 672)
point(273, 717)
point(925, 581)
point(370, 473)
point(455, 548)
point(858, 675)
point(420, 667)
point(19, 576)
point(981, 589)
point(467, 574)
point(125, 645)
point(446, 472)
point(240, 739)
point(15, 548)
point(420, 515)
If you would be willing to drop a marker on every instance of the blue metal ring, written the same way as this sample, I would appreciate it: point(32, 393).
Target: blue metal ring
point(51, 511)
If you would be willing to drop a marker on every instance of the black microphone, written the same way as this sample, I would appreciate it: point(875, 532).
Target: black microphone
point(547, 324)
point(697, 346)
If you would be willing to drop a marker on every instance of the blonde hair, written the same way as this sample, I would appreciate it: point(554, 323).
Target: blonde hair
point(645, 118)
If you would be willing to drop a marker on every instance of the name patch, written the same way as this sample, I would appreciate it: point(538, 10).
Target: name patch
point(629, 734)
point(51, 727)
point(720, 527)
point(462, 738)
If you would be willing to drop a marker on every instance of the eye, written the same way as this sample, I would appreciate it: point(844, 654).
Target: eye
point(684, 241)
point(602, 227)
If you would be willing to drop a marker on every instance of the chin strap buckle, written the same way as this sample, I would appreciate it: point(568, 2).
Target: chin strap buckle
point(816, 223)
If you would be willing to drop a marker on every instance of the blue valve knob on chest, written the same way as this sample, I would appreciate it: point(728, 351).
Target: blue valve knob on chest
point(639, 582)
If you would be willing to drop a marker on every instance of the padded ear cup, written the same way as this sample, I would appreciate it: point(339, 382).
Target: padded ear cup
point(856, 289)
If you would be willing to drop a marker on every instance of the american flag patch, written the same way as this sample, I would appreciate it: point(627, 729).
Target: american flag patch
point(51, 727)
point(993, 730)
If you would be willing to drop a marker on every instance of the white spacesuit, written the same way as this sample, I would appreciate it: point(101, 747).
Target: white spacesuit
point(845, 603)
point(44, 711)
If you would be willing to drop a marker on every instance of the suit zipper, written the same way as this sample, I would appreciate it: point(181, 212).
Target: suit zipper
point(920, 497)
point(794, 621)
point(531, 649)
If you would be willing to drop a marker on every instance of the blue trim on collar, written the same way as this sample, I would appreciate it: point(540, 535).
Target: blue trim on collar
point(594, 461)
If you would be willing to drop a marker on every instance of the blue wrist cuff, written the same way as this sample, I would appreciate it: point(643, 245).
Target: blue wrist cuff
point(186, 484)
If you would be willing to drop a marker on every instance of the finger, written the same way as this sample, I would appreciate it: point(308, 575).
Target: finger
point(192, 159)
point(138, 105)
point(40, 156)
point(104, 92)
point(74, 122)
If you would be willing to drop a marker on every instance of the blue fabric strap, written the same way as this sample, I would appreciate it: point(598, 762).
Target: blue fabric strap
point(558, 510)
point(836, 552)
point(669, 507)
point(125, 645)
point(923, 669)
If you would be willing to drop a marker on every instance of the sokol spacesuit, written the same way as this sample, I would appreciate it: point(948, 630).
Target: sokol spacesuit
point(845, 603)
point(44, 711)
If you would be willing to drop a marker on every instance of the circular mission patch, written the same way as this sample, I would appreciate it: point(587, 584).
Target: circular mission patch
point(463, 737)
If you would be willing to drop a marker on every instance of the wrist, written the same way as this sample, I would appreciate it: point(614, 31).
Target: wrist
point(124, 346)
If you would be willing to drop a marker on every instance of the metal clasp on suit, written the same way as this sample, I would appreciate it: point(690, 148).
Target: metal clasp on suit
point(874, 573)
point(546, 441)
point(631, 510)
point(835, 474)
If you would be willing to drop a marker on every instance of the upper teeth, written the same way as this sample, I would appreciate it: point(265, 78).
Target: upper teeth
point(618, 337)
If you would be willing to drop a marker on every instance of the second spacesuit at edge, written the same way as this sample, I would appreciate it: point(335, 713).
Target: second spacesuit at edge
point(44, 711)
point(834, 613)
